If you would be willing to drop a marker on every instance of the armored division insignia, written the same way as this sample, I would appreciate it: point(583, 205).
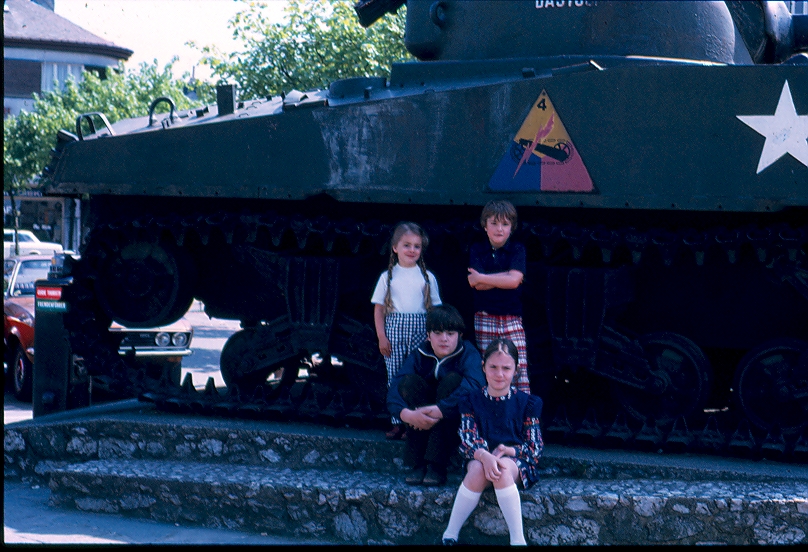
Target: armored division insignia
point(542, 156)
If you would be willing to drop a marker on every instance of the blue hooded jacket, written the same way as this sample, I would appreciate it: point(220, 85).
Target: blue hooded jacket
point(465, 360)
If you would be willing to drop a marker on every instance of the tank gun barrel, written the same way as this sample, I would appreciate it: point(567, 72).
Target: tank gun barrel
point(370, 11)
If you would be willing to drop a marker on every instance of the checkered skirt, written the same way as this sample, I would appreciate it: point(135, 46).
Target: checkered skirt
point(405, 331)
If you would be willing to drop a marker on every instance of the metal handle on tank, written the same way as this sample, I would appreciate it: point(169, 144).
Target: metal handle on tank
point(437, 13)
point(89, 117)
point(157, 101)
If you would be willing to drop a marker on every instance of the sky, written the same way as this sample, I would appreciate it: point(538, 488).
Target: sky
point(159, 29)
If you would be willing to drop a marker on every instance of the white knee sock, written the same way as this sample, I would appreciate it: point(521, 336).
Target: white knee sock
point(511, 506)
point(464, 504)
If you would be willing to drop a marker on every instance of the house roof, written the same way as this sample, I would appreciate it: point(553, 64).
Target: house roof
point(29, 25)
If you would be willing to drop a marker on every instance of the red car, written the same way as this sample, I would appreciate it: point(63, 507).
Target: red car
point(149, 347)
point(19, 277)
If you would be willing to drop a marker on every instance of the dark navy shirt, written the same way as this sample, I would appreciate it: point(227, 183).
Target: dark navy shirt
point(485, 259)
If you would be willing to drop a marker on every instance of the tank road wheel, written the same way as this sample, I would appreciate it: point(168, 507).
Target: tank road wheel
point(146, 284)
point(771, 384)
point(354, 343)
point(250, 355)
point(686, 371)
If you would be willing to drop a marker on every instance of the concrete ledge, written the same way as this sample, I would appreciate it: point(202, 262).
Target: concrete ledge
point(129, 429)
point(243, 443)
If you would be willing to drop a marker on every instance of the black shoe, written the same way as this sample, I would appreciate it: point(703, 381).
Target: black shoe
point(433, 477)
point(395, 434)
point(416, 475)
point(449, 542)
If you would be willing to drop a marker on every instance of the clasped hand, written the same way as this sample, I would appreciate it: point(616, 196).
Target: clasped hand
point(493, 464)
point(423, 417)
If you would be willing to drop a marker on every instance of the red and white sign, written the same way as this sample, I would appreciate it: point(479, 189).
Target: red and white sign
point(52, 293)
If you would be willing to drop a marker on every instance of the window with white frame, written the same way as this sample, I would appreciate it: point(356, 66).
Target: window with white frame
point(56, 74)
point(798, 8)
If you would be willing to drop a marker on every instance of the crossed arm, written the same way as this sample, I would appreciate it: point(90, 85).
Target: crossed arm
point(503, 280)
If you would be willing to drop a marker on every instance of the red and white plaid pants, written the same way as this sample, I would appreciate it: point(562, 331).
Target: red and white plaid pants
point(488, 327)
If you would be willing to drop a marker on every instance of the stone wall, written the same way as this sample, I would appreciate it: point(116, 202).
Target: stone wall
point(347, 485)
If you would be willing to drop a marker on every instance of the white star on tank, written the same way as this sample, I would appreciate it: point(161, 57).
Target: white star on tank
point(785, 131)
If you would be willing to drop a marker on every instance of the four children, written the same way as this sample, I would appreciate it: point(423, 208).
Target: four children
point(437, 394)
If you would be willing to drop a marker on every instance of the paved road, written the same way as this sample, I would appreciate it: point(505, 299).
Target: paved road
point(29, 520)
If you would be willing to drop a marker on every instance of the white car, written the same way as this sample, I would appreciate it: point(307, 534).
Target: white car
point(29, 244)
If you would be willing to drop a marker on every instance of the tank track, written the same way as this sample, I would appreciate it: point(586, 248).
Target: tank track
point(781, 249)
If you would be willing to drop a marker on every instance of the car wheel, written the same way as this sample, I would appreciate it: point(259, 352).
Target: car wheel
point(22, 375)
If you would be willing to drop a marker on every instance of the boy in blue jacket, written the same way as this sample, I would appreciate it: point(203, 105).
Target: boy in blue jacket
point(425, 392)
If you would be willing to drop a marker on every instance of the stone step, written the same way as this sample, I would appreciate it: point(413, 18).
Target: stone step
point(131, 429)
point(346, 485)
point(379, 508)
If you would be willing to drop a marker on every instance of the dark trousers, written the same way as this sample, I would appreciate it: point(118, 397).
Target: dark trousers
point(434, 446)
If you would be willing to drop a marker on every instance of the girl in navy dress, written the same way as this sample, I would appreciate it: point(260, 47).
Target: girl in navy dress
point(501, 439)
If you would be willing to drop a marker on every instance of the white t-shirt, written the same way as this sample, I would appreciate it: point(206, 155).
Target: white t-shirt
point(407, 290)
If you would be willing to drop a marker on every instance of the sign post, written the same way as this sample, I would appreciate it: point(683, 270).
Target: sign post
point(58, 383)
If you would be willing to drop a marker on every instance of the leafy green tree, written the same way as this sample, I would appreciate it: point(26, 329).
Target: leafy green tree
point(29, 136)
point(320, 41)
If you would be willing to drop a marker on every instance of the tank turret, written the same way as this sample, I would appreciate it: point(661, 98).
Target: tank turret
point(463, 30)
point(723, 32)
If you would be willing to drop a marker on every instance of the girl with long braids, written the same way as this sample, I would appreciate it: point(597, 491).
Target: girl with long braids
point(403, 294)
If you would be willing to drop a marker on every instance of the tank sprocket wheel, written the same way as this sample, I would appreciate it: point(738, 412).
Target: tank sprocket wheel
point(688, 376)
point(354, 343)
point(771, 384)
point(145, 284)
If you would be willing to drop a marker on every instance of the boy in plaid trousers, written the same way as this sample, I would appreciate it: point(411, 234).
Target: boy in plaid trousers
point(496, 271)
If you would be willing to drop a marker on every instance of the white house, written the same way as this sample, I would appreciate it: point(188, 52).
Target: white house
point(41, 48)
point(799, 8)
